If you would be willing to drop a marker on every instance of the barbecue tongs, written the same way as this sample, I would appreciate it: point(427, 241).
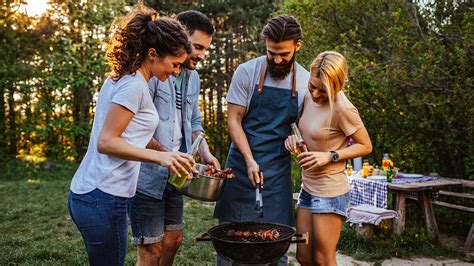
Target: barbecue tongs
point(259, 198)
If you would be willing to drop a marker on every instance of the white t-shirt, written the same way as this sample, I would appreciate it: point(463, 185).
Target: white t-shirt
point(110, 174)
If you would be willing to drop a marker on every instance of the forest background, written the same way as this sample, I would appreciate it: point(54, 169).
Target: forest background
point(410, 65)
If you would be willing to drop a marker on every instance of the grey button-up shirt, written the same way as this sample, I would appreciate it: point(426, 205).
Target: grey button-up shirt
point(153, 177)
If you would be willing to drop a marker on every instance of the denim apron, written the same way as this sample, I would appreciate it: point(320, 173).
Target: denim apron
point(266, 125)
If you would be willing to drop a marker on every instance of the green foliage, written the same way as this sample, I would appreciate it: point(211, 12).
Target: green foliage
point(295, 174)
point(53, 65)
point(59, 84)
point(409, 76)
point(385, 245)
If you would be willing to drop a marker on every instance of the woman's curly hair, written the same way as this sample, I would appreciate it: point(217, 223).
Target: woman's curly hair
point(133, 35)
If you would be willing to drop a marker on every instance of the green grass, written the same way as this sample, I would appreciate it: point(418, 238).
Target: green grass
point(385, 245)
point(35, 227)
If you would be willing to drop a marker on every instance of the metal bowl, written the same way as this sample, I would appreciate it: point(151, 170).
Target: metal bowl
point(203, 187)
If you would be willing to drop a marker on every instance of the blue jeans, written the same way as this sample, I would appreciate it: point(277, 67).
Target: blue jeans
point(102, 220)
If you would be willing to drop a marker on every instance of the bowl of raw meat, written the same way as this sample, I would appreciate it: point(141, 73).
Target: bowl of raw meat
point(208, 184)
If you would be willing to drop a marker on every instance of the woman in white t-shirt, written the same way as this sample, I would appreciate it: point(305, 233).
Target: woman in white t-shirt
point(328, 120)
point(140, 47)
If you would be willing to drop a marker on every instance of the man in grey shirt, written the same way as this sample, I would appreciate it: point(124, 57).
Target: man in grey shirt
point(156, 211)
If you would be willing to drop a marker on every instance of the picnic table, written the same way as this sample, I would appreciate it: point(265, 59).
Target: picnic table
point(374, 192)
point(424, 191)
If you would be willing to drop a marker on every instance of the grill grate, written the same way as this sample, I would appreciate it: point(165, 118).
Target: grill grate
point(220, 232)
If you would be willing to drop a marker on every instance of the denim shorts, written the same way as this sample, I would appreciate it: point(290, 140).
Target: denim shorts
point(337, 205)
point(151, 217)
point(102, 220)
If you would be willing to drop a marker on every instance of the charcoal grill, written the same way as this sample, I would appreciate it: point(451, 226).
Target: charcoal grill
point(252, 250)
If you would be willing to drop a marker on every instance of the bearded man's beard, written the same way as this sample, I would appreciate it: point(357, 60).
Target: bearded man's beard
point(187, 63)
point(280, 71)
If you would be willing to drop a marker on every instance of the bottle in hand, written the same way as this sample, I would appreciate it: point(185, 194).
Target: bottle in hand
point(179, 181)
point(300, 144)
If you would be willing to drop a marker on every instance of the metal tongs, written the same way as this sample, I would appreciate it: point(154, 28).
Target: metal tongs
point(259, 198)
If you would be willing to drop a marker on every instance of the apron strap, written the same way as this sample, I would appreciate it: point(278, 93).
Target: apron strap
point(263, 74)
point(293, 88)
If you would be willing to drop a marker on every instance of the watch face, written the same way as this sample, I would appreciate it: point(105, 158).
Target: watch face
point(334, 157)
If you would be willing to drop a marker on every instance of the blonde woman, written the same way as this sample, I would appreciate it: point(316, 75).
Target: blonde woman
point(329, 119)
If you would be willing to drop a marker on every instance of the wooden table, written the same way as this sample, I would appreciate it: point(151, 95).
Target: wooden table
point(424, 190)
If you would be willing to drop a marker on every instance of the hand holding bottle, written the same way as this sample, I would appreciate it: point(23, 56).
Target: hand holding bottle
point(178, 179)
point(177, 162)
point(295, 143)
point(290, 143)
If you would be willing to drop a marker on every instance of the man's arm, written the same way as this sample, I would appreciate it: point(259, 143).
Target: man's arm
point(155, 145)
point(235, 114)
point(205, 153)
point(196, 128)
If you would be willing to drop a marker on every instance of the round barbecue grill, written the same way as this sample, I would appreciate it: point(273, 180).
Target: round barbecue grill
point(252, 250)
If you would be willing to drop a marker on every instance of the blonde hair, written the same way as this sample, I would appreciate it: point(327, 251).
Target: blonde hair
point(331, 68)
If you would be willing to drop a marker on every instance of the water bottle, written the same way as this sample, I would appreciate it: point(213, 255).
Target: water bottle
point(300, 145)
point(179, 180)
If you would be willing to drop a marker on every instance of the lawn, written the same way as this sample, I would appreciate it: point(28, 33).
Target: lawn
point(36, 228)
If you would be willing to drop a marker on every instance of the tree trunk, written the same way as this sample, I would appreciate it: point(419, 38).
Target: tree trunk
point(3, 128)
point(12, 122)
point(82, 100)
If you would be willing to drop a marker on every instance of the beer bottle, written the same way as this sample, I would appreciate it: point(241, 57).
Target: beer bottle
point(179, 180)
point(300, 145)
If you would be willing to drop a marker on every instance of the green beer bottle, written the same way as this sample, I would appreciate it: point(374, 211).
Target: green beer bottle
point(179, 181)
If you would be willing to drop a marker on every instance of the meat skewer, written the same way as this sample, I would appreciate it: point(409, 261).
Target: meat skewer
point(261, 234)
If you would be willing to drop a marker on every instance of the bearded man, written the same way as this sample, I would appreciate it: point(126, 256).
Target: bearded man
point(265, 96)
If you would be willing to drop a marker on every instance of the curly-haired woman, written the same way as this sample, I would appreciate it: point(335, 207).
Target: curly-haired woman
point(329, 119)
point(141, 46)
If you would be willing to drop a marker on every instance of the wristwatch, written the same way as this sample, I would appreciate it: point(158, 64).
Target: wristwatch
point(334, 157)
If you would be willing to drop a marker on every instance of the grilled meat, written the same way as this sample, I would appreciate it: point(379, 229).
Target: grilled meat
point(261, 234)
